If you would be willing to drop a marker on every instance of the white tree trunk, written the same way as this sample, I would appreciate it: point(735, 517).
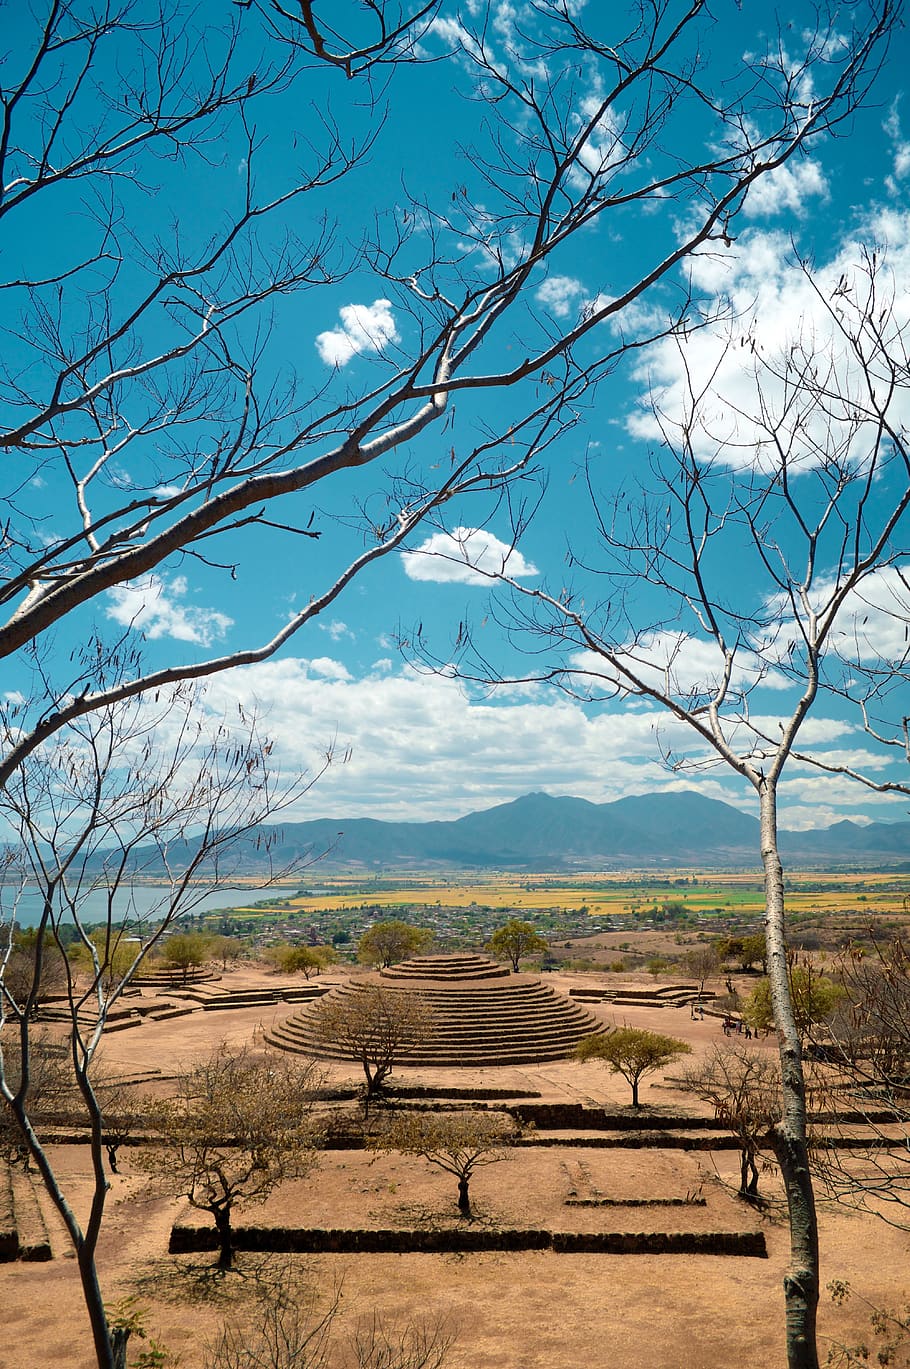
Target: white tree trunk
point(801, 1281)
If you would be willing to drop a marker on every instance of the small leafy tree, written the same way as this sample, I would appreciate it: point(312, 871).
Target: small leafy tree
point(457, 1142)
point(744, 951)
point(186, 951)
point(301, 959)
point(112, 948)
point(35, 969)
point(237, 1127)
point(385, 943)
point(813, 995)
point(514, 941)
point(743, 1087)
point(372, 1025)
point(632, 1052)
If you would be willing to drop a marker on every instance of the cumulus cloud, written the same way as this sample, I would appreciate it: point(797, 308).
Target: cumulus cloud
point(871, 625)
point(788, 188)
point(679, 665)
point(900, 150)
point(560, 295)
point(363, 328)
point(467, 556)
point(782, 320)
point(423, 747)
point(153, 607)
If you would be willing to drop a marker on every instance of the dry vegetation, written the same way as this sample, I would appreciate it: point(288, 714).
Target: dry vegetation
point(531, 1309)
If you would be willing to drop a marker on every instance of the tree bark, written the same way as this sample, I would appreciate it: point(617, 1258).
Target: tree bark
point(464, 1201)
point(748, 1175)
point(83, 1244)
point(119, 1343)
point(222, 1217)
point(801, 1281)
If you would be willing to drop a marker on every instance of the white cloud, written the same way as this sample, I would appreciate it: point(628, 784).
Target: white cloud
point(900, 150)
point(152, 606)
point(560, 295)
point(336, 629)
point(787, 188)
point(502, 20)
point(422, 748)
point(871, 625)
point(468, 556)
point(364, 328)
point(781, 320)
point(679, 665)
point(454, 34)
point(602, 149)
point(325, 668)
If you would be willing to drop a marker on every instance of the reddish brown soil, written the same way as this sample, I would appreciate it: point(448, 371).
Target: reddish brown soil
point(510, 1311)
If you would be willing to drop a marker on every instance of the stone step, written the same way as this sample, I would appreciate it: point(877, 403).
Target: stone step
point(459, 1032)
point(34, 1242)
point(519, 1020)
point(439, 1060)
point(447, 967)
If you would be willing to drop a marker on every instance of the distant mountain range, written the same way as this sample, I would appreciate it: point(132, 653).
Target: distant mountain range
point(539, 832)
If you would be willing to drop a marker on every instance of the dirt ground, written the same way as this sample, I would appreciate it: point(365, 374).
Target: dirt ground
point(520, 1311)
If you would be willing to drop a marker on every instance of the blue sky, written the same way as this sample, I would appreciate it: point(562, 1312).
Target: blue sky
point(425, 746)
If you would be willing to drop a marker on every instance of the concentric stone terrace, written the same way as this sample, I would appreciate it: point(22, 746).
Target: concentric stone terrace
point(481, 1015)
point(446, 969)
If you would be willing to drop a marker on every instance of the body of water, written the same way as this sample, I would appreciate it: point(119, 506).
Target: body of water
point(140, 900)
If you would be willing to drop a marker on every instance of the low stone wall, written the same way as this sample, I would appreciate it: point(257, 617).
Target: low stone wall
point(9, 1236)
point(578, 1117)
point(319, 1241)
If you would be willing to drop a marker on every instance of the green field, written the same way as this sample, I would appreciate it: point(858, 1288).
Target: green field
point(693, 894)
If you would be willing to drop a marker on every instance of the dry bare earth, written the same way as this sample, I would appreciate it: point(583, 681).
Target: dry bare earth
point(524, 1311)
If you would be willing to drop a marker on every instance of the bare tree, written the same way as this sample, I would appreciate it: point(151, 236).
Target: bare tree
point(866, 1045)
point(236, 1128)
point(294, 1329)
point(138, 380)
point(136, 789)
point(50, 1088)
point(802, 476)
point(457, 1142)
point(743, 1087)
point(702, 963)
point(372, 1026)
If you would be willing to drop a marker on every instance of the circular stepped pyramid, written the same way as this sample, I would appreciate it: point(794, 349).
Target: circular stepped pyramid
point(446, 968)
point(481, 1016)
